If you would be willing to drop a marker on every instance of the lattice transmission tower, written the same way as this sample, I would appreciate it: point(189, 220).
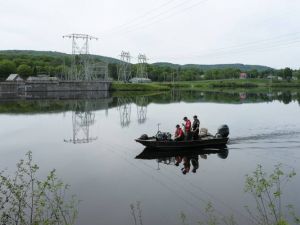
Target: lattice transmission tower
point(124, 69)
point(82, 67)
point(142, 66)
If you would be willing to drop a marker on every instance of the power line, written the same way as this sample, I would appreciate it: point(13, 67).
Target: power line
point(268, 43)
point(262, 41)
point(168, 16)
point(134, 20)
point(157, 17)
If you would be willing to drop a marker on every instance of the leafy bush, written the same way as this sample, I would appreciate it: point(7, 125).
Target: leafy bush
point(27, 200)
point(267, 191)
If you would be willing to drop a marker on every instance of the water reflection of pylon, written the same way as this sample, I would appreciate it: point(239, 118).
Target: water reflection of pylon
point(124, 107)
point(82, 120)
point(141, 104)
point(175, 95)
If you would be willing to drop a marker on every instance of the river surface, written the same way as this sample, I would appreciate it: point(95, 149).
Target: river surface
point(91, 144)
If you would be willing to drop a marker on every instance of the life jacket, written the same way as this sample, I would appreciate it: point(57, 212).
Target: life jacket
point(188, 125)
point(178, 132)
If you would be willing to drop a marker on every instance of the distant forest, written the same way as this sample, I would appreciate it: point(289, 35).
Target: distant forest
point(31, 63)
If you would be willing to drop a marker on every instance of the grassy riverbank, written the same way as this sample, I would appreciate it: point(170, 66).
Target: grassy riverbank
point(117, 86)
point(244, 84)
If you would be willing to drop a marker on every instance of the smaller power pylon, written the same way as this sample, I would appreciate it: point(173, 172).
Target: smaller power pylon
point(142, 66)
point(124, 69)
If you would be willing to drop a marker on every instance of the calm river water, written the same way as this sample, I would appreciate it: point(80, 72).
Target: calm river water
point(91, 144)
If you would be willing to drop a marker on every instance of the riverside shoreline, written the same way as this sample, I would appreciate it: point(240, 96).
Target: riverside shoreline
point(243, 84)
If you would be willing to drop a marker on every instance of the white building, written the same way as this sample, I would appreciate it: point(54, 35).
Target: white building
point(14, 77)
point(42, 77)
point(140, 80)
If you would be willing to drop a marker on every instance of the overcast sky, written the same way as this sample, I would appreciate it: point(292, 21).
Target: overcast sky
point(265, 32)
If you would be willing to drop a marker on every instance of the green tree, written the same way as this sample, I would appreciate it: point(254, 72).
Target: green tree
point(253, 74)
point(113, 70)
point(297, 74)
point(59, 70)
point(7, 67)
point(287, 74)
point(24, 70)
point(34, 71)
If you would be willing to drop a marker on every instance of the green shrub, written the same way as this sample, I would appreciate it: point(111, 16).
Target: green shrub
point(26, 199)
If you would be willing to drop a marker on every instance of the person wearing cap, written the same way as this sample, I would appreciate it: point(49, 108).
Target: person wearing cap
point(195, 128)
point(179, 135)
point(187, 127)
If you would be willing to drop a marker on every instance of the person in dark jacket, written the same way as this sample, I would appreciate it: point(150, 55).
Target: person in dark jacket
point(195, 128)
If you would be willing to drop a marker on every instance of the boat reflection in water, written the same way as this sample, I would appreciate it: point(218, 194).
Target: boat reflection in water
point(187, 160)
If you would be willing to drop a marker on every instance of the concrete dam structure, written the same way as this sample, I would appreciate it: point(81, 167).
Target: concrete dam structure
point(52, 89)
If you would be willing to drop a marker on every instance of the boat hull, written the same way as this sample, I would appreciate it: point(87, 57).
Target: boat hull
point(187, 144)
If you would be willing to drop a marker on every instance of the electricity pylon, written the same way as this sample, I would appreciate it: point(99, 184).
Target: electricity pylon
point(124, 69)
point(142, 66)
point(81, 68)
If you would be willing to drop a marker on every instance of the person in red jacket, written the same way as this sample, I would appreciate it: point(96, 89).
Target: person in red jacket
point(179, 135)
point(187, 127)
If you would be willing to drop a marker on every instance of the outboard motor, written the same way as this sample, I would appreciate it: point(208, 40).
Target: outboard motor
point(223, 131)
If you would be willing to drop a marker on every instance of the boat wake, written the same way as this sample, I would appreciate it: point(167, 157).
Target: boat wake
point(266, 136)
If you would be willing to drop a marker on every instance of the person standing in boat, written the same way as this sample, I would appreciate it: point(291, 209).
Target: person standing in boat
point(187, 127)
point(195, 128)
point(179, 135)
